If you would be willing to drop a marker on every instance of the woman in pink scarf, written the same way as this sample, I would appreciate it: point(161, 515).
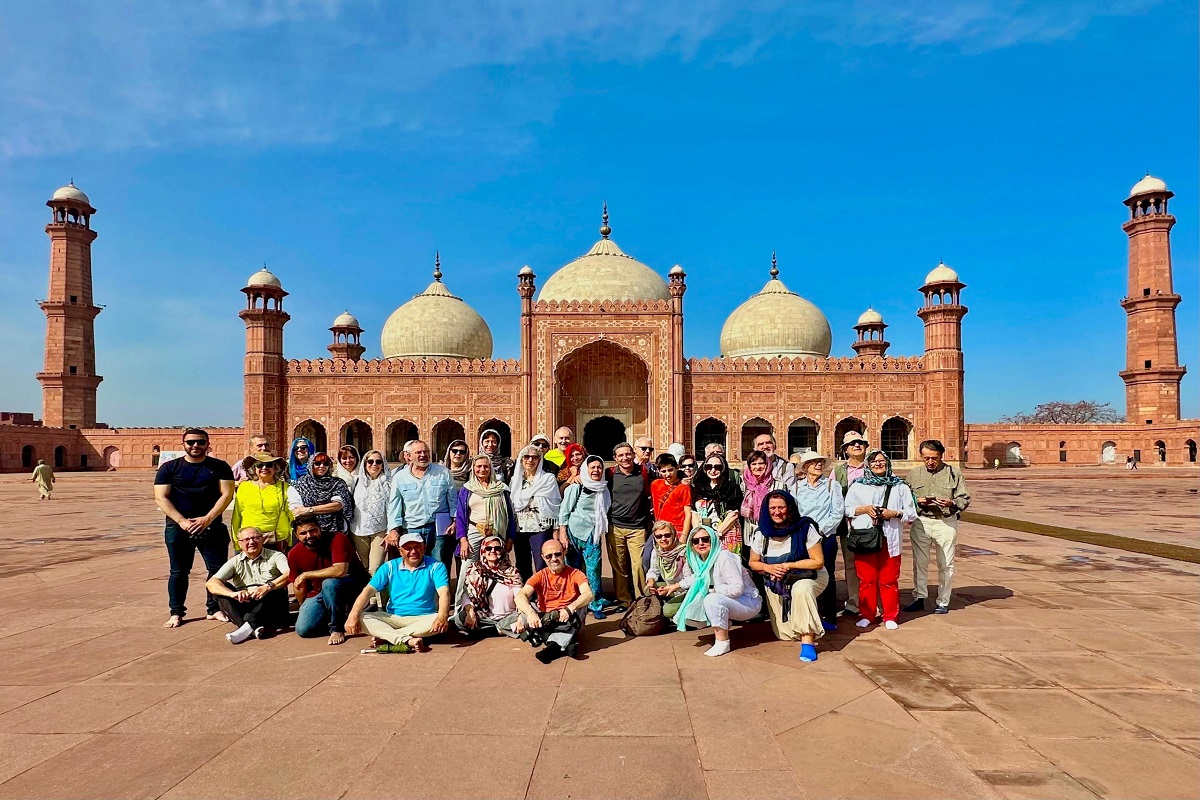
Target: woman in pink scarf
point(757, 483)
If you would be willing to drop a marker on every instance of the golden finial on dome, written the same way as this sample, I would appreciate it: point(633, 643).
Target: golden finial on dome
point(774, 265)
point(437, 265)
point(604, 229)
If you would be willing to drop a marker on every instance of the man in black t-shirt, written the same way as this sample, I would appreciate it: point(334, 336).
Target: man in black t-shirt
point(193, 491)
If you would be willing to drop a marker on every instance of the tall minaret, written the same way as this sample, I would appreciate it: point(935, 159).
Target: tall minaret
point(264, 390)
point(69, 378)
point(1152, 371)
point(942, 314)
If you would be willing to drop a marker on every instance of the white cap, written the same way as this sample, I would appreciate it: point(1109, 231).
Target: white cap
point(412, 538)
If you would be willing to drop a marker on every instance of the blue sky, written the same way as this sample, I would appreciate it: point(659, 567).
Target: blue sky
point(342, 143)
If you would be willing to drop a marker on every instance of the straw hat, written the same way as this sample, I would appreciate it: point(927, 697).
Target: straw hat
point(254, 459)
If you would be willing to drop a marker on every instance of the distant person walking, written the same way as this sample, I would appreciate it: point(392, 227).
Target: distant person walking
point(193, 491)
point(43, 476)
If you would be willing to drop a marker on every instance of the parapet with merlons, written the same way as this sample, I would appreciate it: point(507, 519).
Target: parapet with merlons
point(785, 365)
point(404, 366)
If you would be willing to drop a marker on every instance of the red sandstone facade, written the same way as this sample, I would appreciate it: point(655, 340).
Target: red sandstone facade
point(612, 371)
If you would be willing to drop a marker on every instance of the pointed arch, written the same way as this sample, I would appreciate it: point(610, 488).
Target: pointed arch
point(752, 429)
point(357, 434)
point(895, 438)
point(844, 426)
point(803, 434)
point(443, 434)
point(396, 434)
point(710, 430)
point(502, 428)
point(313, 431)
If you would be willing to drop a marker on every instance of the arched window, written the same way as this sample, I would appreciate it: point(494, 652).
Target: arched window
point(60, 457)
point(500, 427)
point(751, 430)
point(313, 431)
point(601, 434)
point(894, 438)
point(357, 434)
point(398, 432)
point(711, 431)
point(1191, 450)
point(444, 433)
point(845, 426)
point(1108, 453)
point(112, 457)
point(802, 436)
point(28, 456)
point(1160, 450)
point(1012, 454)
point(1062, 452)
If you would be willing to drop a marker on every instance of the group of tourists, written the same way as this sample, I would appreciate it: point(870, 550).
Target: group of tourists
point(489, 545)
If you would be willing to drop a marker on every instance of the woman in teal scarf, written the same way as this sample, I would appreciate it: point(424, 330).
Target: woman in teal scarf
point(718, 589)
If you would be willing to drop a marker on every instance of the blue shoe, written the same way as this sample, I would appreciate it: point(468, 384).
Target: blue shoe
point(941, 610)
point(598, 614)
point(829, 626)
point(808, 653)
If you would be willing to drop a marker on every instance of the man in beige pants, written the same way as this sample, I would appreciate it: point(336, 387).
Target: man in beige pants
point(418, 605)
point(942, 495)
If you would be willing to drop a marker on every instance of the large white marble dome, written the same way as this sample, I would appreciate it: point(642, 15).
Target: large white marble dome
point(436, 324)
point(776, 322)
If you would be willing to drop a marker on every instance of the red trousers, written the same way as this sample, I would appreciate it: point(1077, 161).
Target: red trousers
point(878, 572)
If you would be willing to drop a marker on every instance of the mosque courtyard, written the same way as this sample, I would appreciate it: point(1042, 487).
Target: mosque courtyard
point(1066, 669)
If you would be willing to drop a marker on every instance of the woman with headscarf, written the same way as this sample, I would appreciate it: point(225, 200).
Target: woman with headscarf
point(718, 587)
point(371, 493)
point(535, 499)
point(787, 552)
point(879, 498)
point(487, 591)
point(583, 524)
point(483, 509)
point(348, 466)
point(668, 566)
point(489, 445)
point(572, 466)
point(322, 493)
point(757, 481)
point(299, 455)
point(717, 501)
point(261, 502)
point(458, 461)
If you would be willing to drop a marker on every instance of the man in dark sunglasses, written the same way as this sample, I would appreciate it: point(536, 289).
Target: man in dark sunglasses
point(552, 605)
point(192, 491)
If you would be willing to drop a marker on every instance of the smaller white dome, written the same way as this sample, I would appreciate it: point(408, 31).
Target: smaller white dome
point(675, 270)
point(525, 270)
point(870, 317)
point(1147, 185)
point(264, 277)
point(71, 192)
point(346, 320)
point(941, 274)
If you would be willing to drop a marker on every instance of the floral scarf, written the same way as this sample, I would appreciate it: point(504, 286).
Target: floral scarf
point(871, 479)
point(479, 579)
point(756, 492)
point(316, 491)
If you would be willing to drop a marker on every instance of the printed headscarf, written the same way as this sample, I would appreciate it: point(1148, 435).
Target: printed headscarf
point(871, 479)
point(316, 491)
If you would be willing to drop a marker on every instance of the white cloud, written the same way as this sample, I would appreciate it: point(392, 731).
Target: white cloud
point(113, 76)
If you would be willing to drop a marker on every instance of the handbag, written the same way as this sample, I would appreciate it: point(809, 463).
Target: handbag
point(644, 617)
point(869, 540)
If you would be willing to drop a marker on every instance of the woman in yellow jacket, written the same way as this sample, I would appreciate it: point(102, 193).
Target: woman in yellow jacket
point(261, 501)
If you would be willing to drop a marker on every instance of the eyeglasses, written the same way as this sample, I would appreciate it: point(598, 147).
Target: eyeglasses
point(375, 461)
point(493, 549)
point(530, 457)
point(712, 467)
point(247, 539)
point(879, 463)
point(265, 466)
point(458, 451)
point(548, 556)
point(645, 449)
point(701, 540)
point(195, 442)
point(687, 466)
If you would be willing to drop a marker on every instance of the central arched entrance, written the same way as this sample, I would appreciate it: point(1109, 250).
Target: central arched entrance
point(602, 434)
point(605, 383)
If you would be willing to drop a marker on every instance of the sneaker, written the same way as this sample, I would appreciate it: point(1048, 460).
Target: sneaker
point(808, 653)
point(830, 627)
point(388, 647)
point(848, 613)
point(598, 614)
point(891, 625)
point(915, 606)
point(941, 610)
point(862, 623)
point(549, 653)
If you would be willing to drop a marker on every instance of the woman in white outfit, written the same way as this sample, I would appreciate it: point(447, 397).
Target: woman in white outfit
point(719, 589)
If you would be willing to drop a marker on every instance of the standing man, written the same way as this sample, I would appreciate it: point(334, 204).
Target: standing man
point(543, 445)
point(643, 454)
point(43, 476)
point(628, 521)
point(562, 440)
point(258, 444)
point(420, 492)
point(780, 471)
point(251, 588)
point(846, 472)
point(942, 495)
point(193, 491)
point(560, 596)
point(326, 575)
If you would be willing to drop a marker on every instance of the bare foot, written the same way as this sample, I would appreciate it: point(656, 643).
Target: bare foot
point(469, 617)
point(337, 637)
point(217, 617)
point(174, 622)
point(418, 645)
point(376, 641)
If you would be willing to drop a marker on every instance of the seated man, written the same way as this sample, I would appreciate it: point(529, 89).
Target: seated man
point(487, 591)
point(251, 588)
point(326, 575)
point(560, 596)
point(418, 604)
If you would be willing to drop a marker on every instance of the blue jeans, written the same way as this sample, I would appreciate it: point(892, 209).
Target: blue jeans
point(213, 545)
point(586, 555)
point(325, 612)
point(827, 600)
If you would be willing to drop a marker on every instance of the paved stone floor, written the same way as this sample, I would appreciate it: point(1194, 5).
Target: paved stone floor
point(1063, 672)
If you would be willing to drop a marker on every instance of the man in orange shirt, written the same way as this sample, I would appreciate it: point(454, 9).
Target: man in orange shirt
point(552, 605)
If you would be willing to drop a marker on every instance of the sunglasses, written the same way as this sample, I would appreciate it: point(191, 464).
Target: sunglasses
point(645, 449)
point(548, 556)
point(664, 536)
point(195, 442)
point(712, 467)
point(530, 458)
point(374, 461)
point(701, 540)
point(493, 549)
point(857, 444)
point(265, 466)
point(322, 463)
point(458, 452)
point(687, 466)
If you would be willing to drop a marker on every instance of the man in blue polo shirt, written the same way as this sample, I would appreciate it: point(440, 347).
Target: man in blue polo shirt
point(418, 603)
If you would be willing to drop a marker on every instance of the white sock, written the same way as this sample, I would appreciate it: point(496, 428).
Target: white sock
point(862, 623)
point(891, 625)
point(719, 648)
point(241, 634)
